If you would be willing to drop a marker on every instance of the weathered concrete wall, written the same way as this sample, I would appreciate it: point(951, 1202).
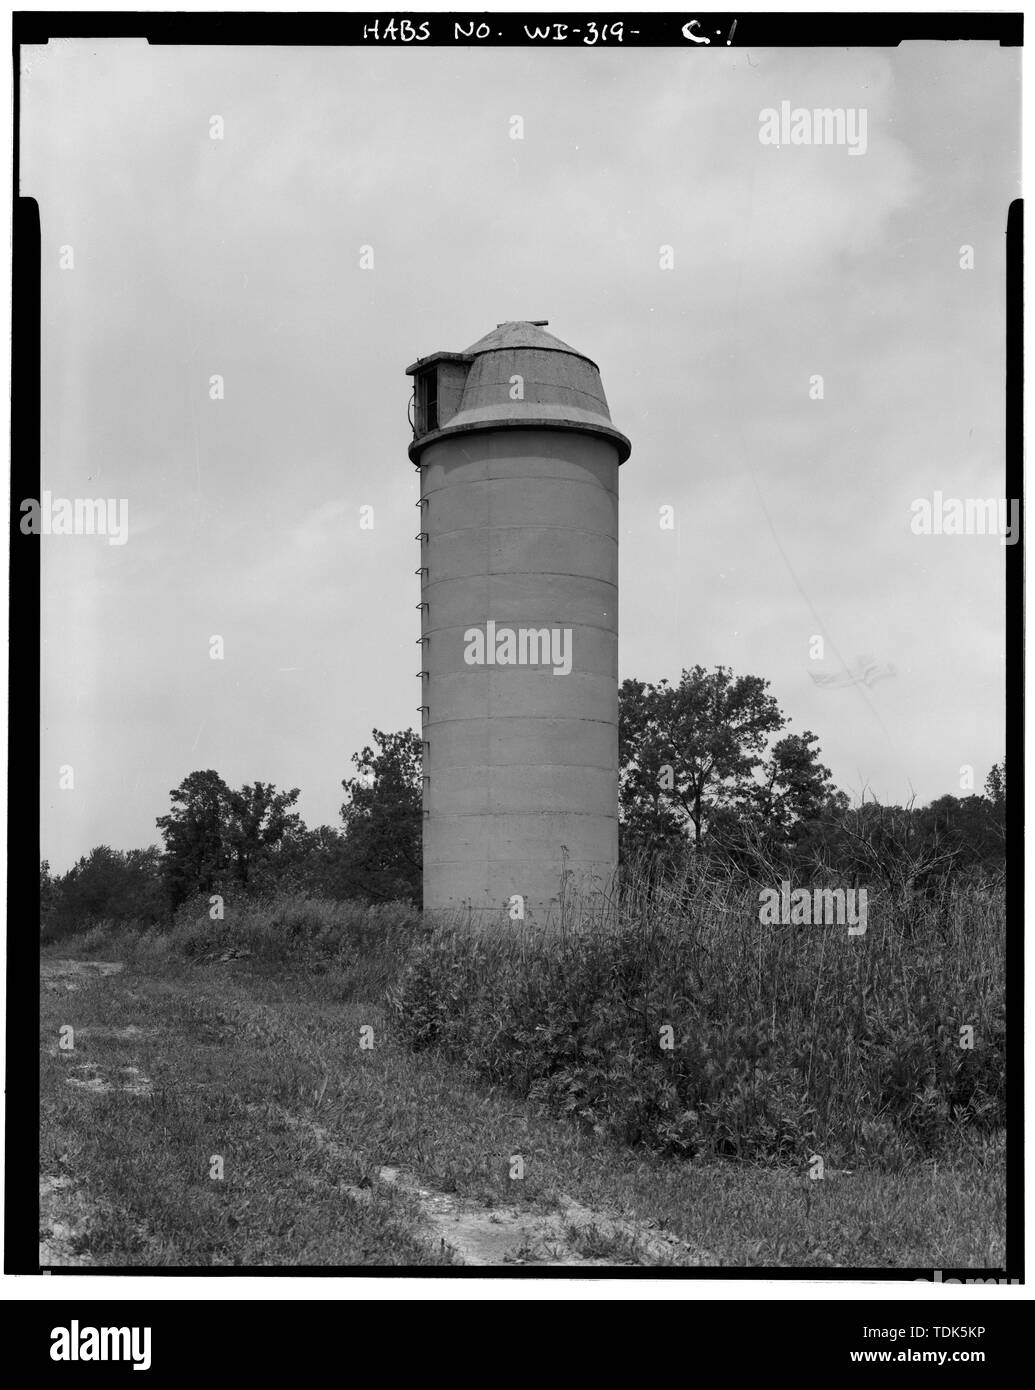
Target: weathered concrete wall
point(523, 530)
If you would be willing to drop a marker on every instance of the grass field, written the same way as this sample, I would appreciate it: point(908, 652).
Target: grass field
point(340, 1147)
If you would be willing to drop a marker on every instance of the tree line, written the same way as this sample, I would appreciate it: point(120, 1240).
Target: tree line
point(706, 768)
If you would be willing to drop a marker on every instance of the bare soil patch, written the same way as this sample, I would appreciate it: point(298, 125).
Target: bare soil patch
point(72, 974)
point(572, 1234)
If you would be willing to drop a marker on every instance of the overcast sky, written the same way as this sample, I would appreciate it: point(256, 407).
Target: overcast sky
point(241, 257)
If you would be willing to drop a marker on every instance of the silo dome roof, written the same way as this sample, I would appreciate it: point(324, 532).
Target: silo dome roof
point(557, 386)
point(519, 333)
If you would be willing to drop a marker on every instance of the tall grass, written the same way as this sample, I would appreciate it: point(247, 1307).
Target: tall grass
point(669, 1016)
point(360, 947)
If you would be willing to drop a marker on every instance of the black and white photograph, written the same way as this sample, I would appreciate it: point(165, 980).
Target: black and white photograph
point(528, 537)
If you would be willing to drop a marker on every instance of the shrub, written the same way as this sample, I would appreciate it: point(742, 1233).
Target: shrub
point(361, 945)
point(785, 1040)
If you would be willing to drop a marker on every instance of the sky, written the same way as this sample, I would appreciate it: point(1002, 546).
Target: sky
point(193, 257)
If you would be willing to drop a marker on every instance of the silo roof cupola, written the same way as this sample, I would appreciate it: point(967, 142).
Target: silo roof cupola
point(517, 376)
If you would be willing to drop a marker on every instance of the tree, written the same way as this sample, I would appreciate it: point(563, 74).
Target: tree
point(311, 862)
point(795, 787)
point(695, 758)
point(382, 817)
point(46, 888)
point(259, 819)
point(108, 884)
point(995, 799)
point(217, 838)
point(995, 786)
point(197, 852)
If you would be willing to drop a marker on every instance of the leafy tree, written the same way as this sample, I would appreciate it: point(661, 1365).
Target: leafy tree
point(196, 835)
point(696, 761)
point(111, 884)
point(995, 797)
point(217, 838)
point(995, 786)
point(314, 862)
point(382, 817)
point(795, 788)
point(917, 851)
point(970, 827)
point(46, 888)
point(259, 820)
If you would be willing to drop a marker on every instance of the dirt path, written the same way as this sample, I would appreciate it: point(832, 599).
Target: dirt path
point(508, 1235)
point(64, 1212)
point(72, 974)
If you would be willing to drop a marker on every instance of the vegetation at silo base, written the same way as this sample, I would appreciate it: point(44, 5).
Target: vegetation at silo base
point(674, 1020)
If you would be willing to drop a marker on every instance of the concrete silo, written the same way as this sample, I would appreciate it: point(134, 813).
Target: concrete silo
point(518, 465)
